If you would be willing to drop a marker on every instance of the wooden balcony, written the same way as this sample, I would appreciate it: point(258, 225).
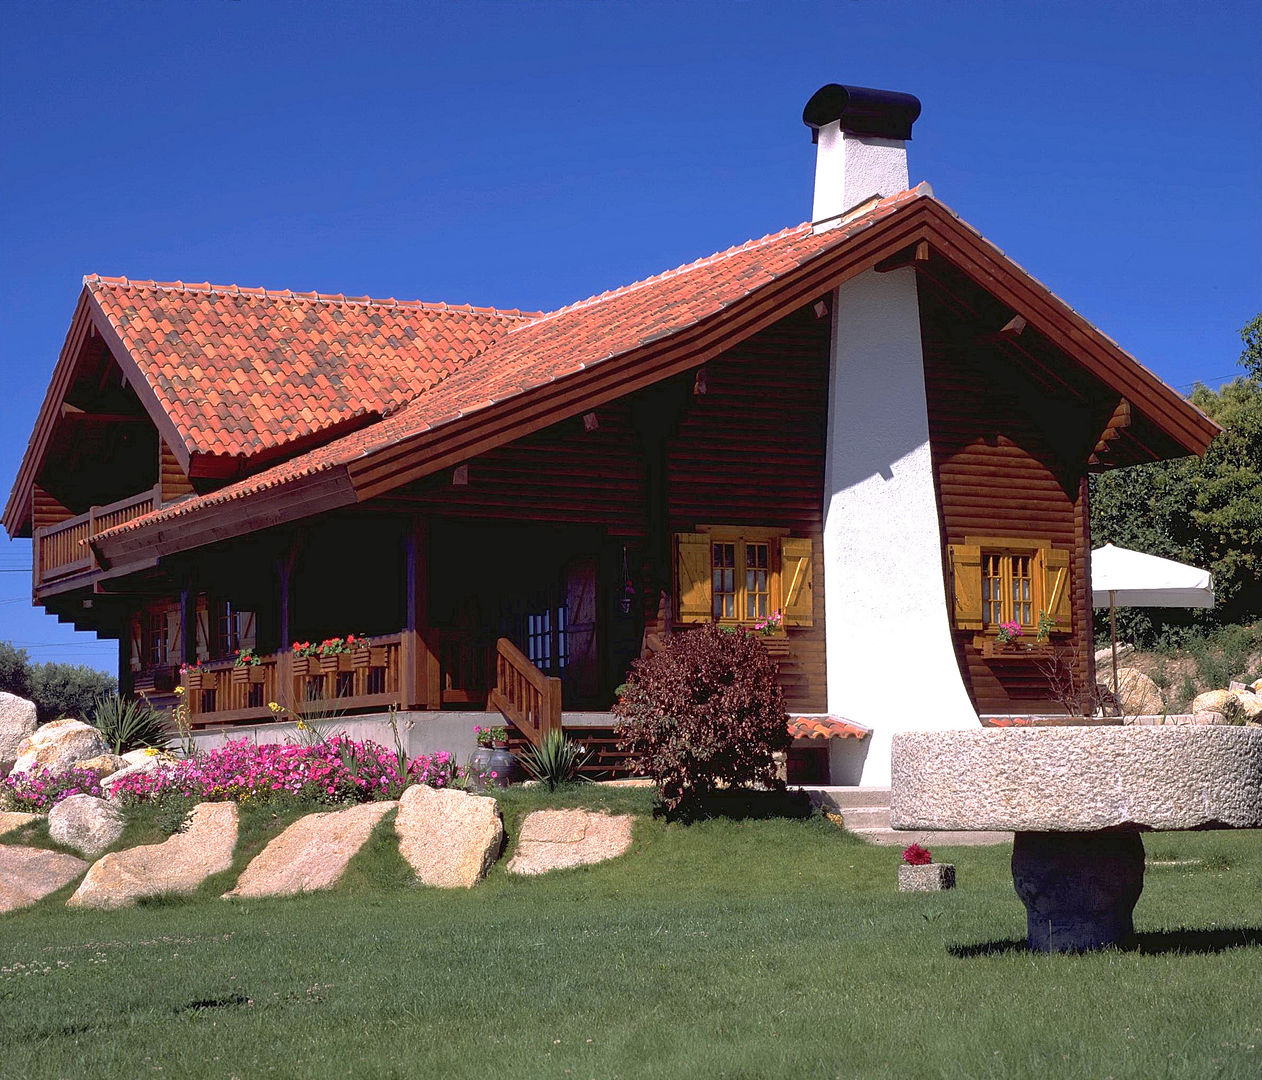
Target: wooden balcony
point(218, 692)
point(63, 550)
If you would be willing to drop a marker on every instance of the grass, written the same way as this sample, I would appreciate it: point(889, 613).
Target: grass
point(724, 948)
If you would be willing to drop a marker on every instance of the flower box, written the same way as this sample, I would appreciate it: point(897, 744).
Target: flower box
point(192, 680)
point(929, 877)
point(777, 646)
point(377, 656)
point(1017, 650)
point(303, 665)
point(241, 674)
point(328, 664)
point(361, 658)
point(346, 662)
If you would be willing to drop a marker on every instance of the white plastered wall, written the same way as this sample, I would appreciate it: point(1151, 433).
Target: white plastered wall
point(888, 635)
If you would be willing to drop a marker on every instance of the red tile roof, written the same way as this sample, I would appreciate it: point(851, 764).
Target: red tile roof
point(826, 727)
point(543, 349)
point(240, 371)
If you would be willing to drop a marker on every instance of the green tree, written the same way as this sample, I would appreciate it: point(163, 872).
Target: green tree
point(1251, 355)
point(15, 670)
point(68, 689)
point(1206, 511)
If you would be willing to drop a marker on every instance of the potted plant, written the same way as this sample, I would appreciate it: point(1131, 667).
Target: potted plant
point(919, 873)
point(191, 675)
point(246, 667)
point(361, 653)
point(304, 658)
point(492, 764)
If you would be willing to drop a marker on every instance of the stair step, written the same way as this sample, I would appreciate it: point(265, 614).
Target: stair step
point(930, 840)
point(832, 797)
point(866, 817)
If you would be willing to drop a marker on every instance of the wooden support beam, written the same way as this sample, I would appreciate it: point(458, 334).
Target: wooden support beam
point(916, 255)
point(1013, 327)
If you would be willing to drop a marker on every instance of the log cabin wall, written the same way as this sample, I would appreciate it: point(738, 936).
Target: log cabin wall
point(750, 451)
point(997, 475)
point(175, 484)
point(564, 474)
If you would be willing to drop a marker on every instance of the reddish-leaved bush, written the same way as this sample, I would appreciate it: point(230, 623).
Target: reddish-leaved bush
point(704, 712)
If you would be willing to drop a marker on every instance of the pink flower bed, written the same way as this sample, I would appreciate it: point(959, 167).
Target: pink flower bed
point(38, 791)
point(338, 770)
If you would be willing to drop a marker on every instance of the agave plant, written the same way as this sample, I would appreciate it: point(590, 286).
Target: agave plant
point(129, 724)
point(555, 761)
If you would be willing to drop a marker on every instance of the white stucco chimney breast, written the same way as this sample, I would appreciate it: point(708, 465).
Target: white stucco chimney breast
point(886, 622)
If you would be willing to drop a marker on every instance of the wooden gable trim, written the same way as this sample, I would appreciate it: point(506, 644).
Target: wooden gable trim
point(167, 430)
point(18, 510)
point(1068, 330)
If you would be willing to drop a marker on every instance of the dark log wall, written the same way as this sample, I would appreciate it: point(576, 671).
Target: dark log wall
point(750, 451)
point(997, 475)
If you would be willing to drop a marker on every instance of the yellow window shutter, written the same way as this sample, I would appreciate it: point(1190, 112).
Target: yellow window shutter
point(1057, 600)
point(966, 586)
point(692, 569)
point(797, 581)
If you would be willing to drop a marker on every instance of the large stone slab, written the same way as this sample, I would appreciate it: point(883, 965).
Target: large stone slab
point(29, 874)
point(86, 823)
point(312, 853)
point(14, 819)
point(176, 866)
point(1082, 779)
point(59, 746)
point(450, 838)
point(18, 719)
point(556, 839)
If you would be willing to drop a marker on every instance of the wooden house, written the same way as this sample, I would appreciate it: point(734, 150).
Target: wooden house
point(873, 423)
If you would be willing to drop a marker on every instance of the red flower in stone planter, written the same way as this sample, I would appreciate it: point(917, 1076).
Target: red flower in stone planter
point(917, 856)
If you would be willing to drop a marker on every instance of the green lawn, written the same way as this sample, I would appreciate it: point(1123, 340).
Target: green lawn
point(725, 948)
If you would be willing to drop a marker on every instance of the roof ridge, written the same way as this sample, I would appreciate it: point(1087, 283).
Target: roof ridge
point(622, 290)
point(309, 297)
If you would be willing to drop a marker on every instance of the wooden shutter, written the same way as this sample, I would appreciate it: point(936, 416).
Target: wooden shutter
point(1057, 599)
point(137, 643)
point(245, 629)
point(203, 628)
point(692, 571)
point(797, 581)
point(175, 643)
point(966, 586)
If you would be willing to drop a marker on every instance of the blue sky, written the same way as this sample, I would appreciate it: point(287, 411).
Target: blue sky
point(526, 155)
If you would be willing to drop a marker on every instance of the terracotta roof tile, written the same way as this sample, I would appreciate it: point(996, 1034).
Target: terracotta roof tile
point(825, 727)
point(214, 355)
point(531, 351)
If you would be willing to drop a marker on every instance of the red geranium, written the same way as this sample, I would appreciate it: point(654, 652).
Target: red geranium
point(917, 856)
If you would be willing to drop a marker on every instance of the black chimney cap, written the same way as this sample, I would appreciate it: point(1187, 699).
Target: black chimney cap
point(884, 114)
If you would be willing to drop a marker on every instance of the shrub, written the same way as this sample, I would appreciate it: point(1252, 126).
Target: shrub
point(555, 761)
point(38, 791)
point(704, 712)
point(68, 689)
point(339, 770)
point(128, 724)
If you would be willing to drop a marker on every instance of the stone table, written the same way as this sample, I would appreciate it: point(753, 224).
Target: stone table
point(1078, 799)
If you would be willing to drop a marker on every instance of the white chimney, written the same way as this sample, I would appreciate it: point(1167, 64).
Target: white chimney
point(862, 137)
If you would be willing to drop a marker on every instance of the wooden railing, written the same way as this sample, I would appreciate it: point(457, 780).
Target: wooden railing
point(220, 693)
point(62, 549)
point(525, 696)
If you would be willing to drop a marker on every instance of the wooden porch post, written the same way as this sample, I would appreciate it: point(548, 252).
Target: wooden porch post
point(419, 676)
point(285, 657)
point(188, 627)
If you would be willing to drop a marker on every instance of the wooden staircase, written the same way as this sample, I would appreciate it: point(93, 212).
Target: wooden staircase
point(531, 704)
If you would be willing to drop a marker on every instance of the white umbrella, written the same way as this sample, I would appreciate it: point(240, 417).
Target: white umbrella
point(1120, 577)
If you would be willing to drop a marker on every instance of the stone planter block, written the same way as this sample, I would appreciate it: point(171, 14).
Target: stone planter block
point(931, 877)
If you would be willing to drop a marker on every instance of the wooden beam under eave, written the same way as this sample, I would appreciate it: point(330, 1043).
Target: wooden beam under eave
point(915, 255)
point(1013, 328)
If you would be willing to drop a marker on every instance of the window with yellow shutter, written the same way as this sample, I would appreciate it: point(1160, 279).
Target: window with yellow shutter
point(997, 580)
point(740, 576)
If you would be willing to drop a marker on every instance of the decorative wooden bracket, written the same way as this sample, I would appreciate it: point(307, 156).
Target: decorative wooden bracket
point(1119, 420)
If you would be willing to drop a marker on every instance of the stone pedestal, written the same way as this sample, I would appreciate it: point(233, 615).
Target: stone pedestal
point(930, 877)
point(1079, 889)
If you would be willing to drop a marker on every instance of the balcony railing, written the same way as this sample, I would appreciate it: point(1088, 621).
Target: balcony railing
point(218, 692)
point(63, 549)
